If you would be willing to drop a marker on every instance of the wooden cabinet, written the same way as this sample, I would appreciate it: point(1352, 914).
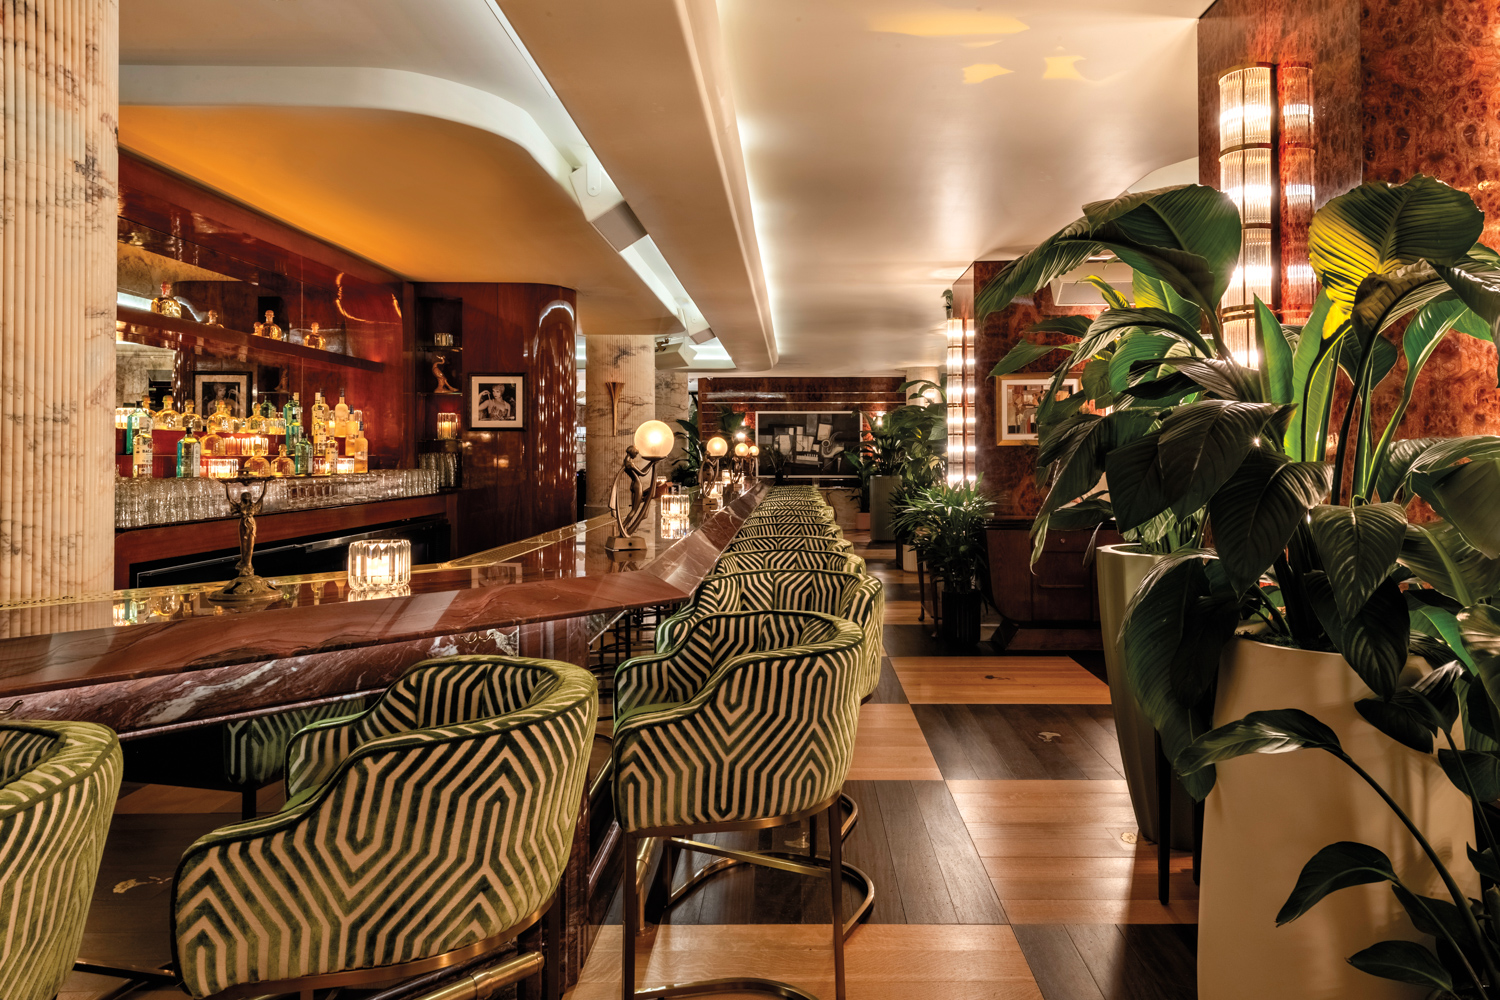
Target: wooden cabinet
point(1058, 593)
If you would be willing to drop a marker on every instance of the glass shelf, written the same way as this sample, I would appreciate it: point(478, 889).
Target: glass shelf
point(143, 326)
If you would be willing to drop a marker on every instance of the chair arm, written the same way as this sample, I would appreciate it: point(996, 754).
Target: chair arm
point(314, 752)
point(655, 678)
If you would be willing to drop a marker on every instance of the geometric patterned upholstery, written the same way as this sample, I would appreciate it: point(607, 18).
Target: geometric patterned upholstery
point(751, 715)
point(61, 780)
point(855, 596)
point(255, 749)
point(737, 562)
point(805, 543)
point(809, 515)
point(441, 817)
point(816, 529)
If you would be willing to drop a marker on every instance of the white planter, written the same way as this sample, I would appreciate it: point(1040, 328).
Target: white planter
point(1269, 813)
point(909, 558)
point(1120, 570)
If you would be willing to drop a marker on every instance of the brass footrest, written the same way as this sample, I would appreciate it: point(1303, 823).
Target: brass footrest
point(797, 864)
point(707, 987)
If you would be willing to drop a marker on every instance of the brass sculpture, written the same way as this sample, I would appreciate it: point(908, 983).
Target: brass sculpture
point(442, 380)
point(246, 587)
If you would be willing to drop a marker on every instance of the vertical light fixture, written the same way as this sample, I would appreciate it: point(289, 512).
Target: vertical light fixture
point(958, 395)
point(1247, 174)
point(1298, 189)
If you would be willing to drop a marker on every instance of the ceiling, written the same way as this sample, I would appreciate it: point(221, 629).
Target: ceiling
point(889, 143)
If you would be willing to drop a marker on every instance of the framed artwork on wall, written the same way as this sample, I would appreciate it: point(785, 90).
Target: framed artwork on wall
point(231, 388)
point(1016, 400)
point(497, 402)
point(810, 444)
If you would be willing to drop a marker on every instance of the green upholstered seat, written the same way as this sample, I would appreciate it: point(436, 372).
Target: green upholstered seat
point(855, 596)
point(60, 780)
point(803, 543)
point(438, 820)
point(778, 529)
point(736, 562)
point(750, 715)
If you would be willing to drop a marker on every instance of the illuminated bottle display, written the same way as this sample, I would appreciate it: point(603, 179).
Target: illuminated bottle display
point(357, 446)
point(291, 415)
point(141, 452)
point(319, 418)
point(164, 304)
point(313, 337)
point(219, 420)
point(282, 465)
point(256, 424)
point(168, 419)
point(258, 466)
point(304, 456)
point(142, 409)
point(271, 329)
point(189, 450)
point(341, 417)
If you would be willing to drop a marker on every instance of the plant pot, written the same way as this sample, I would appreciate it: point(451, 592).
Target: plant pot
point(862, 521)
point(1269, 813)
point(881, 488)
point(961, 618)
point(909, 558)
point(1120, 570)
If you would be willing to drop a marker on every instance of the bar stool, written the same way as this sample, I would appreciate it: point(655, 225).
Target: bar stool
point(58, 783)
point(805, 543)
point(735, 562)
point(747, 723)
point(422, 834)
point(785, 529)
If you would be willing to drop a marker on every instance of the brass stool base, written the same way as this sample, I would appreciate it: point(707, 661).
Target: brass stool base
point(707, 987)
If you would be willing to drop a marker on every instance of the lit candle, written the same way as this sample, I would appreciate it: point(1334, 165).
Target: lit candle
point(377, 564)
point(345, 465)
point(447, 426)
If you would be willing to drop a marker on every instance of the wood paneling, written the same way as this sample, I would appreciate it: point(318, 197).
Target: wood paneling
point(747, 395)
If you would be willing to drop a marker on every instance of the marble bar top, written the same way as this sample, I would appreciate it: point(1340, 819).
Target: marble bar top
point(565, 574)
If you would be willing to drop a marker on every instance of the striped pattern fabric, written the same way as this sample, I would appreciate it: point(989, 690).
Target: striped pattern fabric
point(738, 562)
point(55, 807)
point(255, 749)
point(802, 543)
point(788, 529)
point(858, 597)
point(752, 715)
point(441, 817)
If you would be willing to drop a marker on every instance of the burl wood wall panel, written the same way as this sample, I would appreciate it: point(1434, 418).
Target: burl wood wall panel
point(747, 395)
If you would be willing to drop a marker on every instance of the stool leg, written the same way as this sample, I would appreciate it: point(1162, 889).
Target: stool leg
point(552, 944)
point(812, 836)
point(836, 885)
point(248, 806)
point(628, 918)
point(1163, 825)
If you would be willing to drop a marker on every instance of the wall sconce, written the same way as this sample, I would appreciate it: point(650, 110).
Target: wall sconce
point(715, 448)
point(653, 442)
point(1247, 174)
point(447, 426)
point(612, 389)
point(379, 564)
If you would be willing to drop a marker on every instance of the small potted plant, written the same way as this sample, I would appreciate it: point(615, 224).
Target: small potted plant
point(946, 526)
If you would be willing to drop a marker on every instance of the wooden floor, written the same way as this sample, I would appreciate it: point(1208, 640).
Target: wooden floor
point(994, 823)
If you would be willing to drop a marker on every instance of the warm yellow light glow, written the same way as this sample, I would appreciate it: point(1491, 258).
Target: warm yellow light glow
point(754, 450)
point(980, 72)
point(653, 439)
point(741, 450)
point(717, 446)
point(945, 23)
point(1062, 68)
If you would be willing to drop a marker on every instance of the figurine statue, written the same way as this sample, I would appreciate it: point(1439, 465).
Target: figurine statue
point(642, 485)
point(442, 380)
point(246, 586)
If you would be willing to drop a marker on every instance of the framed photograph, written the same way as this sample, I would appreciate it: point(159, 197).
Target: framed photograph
point(497, 402)
point(232, 388)
point(809, 444)
point(1016, 400)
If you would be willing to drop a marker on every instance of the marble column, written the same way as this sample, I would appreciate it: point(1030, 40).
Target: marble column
point(630, 361)
point(929, 373)
point(57, 288)
point(672, 404)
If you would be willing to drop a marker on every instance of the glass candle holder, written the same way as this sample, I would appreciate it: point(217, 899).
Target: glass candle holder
point(223, 468)
point(379, 564)
point(674, 505)
point(345, 466)
point(447, 426)
point(674, 526)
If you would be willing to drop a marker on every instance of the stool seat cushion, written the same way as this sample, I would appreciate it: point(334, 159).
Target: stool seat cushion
point(738, 562)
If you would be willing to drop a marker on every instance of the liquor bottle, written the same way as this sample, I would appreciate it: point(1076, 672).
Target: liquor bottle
point(141, 452)
point(189, 451)
point(357, 446)
point(319, 418)
point(190, 416)
point(142, 410)
point(258, 329)
point(167, 418)
point(164, 304)
point(313, 337)
point(256, 424)
point(283, 466)
point(291, 416)
point(271, 329)
point(341, 417)
point(219, 421)
point(258, 467)
point(304, 456)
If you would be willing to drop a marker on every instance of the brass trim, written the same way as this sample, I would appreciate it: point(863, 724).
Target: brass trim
point(482, 983)
point(703, 987)
point(764, 823)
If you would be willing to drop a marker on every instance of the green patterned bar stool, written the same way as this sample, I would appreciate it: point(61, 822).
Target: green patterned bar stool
point(809, 529)
point(424, 833)
point(736, 562)
point(58, 783)
point(747, 723)
point(802, 543)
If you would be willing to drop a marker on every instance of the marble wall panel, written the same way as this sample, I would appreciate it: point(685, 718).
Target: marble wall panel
point(630, 361)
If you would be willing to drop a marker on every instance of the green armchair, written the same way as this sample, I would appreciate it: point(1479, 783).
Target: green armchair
point(747, 559)
point(429, 829)
point(58, 784)
point(804, 543)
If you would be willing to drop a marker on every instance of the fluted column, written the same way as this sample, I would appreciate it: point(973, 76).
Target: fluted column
point(672, 403)
point(631, 362)
point(60, 97)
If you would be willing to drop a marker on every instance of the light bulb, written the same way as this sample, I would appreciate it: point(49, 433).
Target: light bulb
point(717, 446)
point(754, 449)
point(741, 450)
point(653, 439)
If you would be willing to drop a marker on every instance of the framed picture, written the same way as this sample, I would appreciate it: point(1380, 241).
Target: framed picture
point(809, 444)
point(497, 402)
point(1016, 400)
point(232, 388)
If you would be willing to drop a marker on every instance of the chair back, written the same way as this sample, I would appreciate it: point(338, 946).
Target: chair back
point(60, 781)
point(441, 818)
point(748, 559)
point(765, 529)
point(775, 543)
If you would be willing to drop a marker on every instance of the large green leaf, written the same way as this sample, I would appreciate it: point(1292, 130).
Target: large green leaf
point(1405, 962)
point(1314, 368)
point(1224, 379)
point(1076, 453)
point(1024, 353)
point(1337, 866)
point(1068, 248)
point(1203, 443)
point(1174, 631)
point(1135, 484)
point(1376, 640)
point(1430, 616)
point(1414, 714)
point(1140, 346)
point(1154, 320)
point(1153, 293)
point(1480, 767)
point(1196, 219)
point(1439, 556)
point(1379, 227)
point(1409, 455)
point(1256, 511)
point(1465, 496)
point(1358, 547)
point(1275, 356)
point(1276, 731)
point(1481, 627)
point(1480, 292)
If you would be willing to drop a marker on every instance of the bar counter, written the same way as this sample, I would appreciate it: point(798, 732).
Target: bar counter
point(154, 660)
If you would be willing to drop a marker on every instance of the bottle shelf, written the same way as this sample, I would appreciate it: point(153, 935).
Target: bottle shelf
point(144, 326)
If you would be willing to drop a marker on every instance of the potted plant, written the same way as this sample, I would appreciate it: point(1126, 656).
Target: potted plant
point(1320, 554)
point(946, 525)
